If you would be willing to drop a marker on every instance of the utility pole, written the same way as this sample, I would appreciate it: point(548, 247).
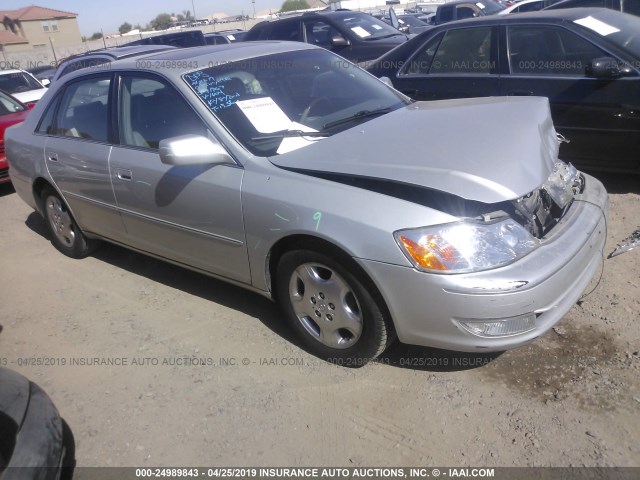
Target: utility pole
point(55, 59)
point(254, 8)
point(193, 7)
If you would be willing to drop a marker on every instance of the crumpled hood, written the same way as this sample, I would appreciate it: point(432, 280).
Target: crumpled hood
point(484, 149)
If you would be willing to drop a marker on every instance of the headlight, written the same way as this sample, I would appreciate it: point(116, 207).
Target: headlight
point(464, 247)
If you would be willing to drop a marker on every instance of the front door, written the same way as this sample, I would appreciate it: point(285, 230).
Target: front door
point(189, 214)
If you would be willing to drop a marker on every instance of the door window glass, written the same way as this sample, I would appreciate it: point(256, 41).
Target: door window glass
point(83, 111)
point(464, 50)
point(548, 50)
point(421, 63)
point(151, 110)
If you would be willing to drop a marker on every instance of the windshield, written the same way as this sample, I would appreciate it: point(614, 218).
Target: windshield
point(490, 7)
point(17, 82)
point(9, 105)
point(277, 103)
point(620, 29)
point(366, 27)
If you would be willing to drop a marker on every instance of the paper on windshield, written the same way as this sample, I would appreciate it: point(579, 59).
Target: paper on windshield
point(361, 32)
point(264, 114)
point(597, 26)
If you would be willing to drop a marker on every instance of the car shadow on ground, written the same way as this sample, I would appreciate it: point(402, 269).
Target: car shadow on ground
point(428, 359)
point(6, 189)
point(254, 305)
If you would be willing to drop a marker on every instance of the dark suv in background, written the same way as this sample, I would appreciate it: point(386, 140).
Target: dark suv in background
point(355, 36)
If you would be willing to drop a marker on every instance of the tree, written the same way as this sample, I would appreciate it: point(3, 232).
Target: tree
point(125, 28)
point(161, 22)
point(96, 36)
point(290, 5)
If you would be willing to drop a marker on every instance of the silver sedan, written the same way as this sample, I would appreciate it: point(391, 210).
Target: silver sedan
point(286, 170)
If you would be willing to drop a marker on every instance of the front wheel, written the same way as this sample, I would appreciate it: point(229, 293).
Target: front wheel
point(66, 236)
point(333, 313)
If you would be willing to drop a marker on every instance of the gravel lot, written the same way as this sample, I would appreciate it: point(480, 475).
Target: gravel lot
point(570, 399)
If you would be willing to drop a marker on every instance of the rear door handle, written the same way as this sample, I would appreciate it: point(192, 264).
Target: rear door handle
point(520, 93)
point(124, 174)
point(52, 157)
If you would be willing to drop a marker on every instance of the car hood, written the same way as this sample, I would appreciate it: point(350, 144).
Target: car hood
point(484, 149)
point(31, 95)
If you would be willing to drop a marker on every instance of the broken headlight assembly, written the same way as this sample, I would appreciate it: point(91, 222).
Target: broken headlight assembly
point(466, 246)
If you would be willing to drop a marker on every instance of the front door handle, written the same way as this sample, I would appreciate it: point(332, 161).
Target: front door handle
point(123, 174)
point(52, 157)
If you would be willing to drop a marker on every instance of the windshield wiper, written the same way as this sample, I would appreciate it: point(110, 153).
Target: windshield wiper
point(357, 116)
point(291, 133)
point(383, 36)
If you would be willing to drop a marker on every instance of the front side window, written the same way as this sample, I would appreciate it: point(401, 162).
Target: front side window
point(265, 102)
point(319, 33)
point(549, 50)
point(150, 110)
point(463, 51)
point(83, 111)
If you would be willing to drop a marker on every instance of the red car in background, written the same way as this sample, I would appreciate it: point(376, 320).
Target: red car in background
point(12, 111)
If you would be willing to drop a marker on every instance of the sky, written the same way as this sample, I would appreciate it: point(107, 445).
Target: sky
point(108, 15)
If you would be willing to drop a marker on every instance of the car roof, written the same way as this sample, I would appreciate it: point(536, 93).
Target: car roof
point(323, 13)
point(12, 70)
point(121, 52)
point(210, 55)
point(559, 16)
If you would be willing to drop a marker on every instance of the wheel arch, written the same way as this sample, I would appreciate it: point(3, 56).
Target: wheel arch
point(320, 245)
point(38, 187)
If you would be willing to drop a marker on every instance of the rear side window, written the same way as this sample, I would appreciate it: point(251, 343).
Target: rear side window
point(286, 31)
point(421, 63)
point(464, 50)
point(83, 111)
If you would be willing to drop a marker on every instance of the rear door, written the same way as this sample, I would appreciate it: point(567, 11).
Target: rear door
point(77, 153)
point(599, 116)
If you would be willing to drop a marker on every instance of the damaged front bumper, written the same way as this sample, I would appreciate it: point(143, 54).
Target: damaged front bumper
point(506, 307)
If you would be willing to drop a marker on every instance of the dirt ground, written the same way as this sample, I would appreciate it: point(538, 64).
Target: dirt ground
point(572, 398)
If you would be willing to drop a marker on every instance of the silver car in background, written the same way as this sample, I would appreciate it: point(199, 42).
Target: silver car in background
point(282, 168)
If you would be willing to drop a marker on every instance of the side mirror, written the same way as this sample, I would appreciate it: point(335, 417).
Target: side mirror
point(45, 82)
point(192, 150)
point(607, 67)
point(339, 41)
point(394, 19)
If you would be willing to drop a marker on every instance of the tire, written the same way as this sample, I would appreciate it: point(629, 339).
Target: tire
point(331, 310)
point(66, 236)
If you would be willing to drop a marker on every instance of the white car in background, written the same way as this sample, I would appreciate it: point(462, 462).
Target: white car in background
point(528, 6)
point(22, 85)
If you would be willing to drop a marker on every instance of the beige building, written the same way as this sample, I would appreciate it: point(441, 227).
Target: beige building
point(37, 29)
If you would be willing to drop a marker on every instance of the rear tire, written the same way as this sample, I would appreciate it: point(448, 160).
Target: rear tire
point(66, 236)
point(334, 314)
